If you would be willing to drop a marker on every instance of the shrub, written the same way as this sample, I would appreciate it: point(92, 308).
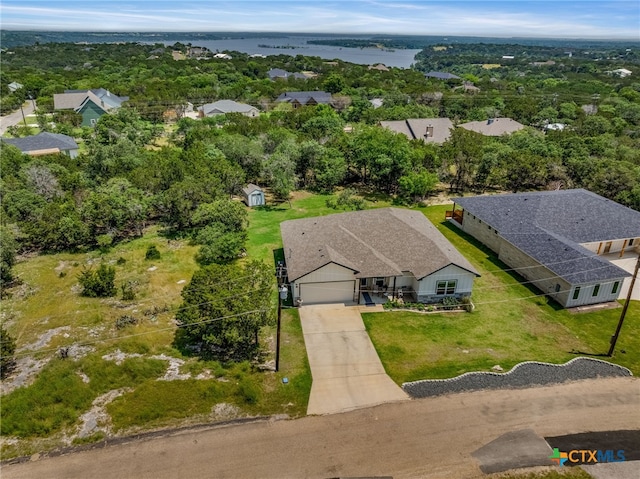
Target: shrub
point(121, 261)
point(128, 290)
point(125, 320)
point(99, 283)
point(7, 349)
point(249, 391)
point(152, 253)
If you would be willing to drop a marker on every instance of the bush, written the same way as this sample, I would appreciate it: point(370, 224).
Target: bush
point(7, 349)
point(152, 253)
point(125, 320)
point(99, 283)
point(121, 261)
point(128, 290)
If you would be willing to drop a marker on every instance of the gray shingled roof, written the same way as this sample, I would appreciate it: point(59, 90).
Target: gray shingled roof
point(303, 97)
point(226, 106)
point(550, 226)
point(43, 141)
point(380, 242)
point(250, 188)
point(493, 126)
point(416, 128)
point(74, 99)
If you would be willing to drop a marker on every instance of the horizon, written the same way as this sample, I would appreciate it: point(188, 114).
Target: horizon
point(588, 19)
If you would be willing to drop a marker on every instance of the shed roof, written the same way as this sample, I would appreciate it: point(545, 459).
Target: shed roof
point(251, 188)
point(380, 242)
point(550, 226)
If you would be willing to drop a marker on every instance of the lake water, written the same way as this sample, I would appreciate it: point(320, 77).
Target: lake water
point(297, 46)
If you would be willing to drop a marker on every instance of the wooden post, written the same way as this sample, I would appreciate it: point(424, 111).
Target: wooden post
point(614, 338)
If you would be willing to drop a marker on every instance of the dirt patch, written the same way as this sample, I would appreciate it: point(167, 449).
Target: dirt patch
point(44, 339)
point(224, 411)
point(96, 419)
point(173, 370)
point(24, 373)
point(118, 356)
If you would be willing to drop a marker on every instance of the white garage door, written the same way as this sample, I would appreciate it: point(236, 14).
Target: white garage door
point(334, 292)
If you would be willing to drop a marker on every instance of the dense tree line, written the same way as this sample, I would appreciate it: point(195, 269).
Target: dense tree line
point(132, 173)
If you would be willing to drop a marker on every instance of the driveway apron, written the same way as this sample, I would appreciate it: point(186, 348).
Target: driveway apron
point(347, 372)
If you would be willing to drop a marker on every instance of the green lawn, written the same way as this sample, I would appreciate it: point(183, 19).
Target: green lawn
point(510, 324)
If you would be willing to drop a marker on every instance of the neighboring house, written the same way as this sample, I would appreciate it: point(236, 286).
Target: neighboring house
point(91, 104)
point(14, 86)
point(222, 107)
point(493, 126)
point(590, 109)
point(442, 75)
point(376, 102)
point(340, 257)
point(468, 87)
point(44, 144)
point(556, 239)
point(555, 126)
point(253, 195)
point(378, 66)
point(305, 98)
point(223, 56)
point(429, 130)
point(621, 72)
point(280, 74)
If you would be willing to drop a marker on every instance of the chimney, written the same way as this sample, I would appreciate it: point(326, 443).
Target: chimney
point(429, 132)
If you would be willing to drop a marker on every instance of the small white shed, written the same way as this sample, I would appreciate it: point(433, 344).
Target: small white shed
point(253, 195)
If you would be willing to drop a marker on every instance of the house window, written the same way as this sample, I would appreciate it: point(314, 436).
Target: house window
point(557, 288)
point(363, 282)
point(596, 290)
point(446, 287)
point(380, 282)
point(616, 285)
point(631, 241)
point(576, 292)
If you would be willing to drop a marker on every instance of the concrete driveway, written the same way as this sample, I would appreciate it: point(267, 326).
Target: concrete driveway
point(347, 372)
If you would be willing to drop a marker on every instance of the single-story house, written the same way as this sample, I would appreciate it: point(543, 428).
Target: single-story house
point(14, 86)
point(429, 130)
point(556, 240)
point(280, 74)
point(305, 98)
point(349, 257)
point(621, 72)
point(378, 66)
point(253, 195)
point(222, 107)
point(91, 104)
point(44, 143)
point(493, 126)
point(442, 75)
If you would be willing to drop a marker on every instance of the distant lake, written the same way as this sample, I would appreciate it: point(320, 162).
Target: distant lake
point(297, 46)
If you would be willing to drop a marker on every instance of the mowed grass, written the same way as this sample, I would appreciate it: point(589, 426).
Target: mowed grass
point(511, 323)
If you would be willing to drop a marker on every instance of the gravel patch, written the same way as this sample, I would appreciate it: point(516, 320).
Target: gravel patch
point(44, 338)
point(96, 419)
point(523, 375)
point(118, 356)
point(173, 370)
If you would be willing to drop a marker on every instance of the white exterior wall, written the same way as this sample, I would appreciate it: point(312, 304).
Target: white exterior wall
point(328, 273)
point(617, 245)
point(427, 286)
point(585, 296)
point(256, 198)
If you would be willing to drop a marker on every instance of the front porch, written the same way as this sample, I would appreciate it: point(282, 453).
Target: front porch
point(382, 295)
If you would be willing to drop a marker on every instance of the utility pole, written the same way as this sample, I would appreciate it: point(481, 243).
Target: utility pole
point(283, 292)
point(614, 338)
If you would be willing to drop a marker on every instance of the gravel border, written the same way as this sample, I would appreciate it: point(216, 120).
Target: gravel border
point(522, 375)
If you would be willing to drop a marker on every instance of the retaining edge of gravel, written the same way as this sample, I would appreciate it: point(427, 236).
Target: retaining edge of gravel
point(522, 375)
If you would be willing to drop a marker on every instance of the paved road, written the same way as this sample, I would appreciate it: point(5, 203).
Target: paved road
point(15, 117)
point(426, 438)
point(346, 370)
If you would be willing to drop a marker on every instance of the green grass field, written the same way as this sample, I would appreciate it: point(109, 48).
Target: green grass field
point(512, 322)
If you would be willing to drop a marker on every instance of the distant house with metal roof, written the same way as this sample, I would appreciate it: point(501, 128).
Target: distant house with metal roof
point(429, 130)
point(253, 195)
point(222, 107)
point(44, 143)
point(442, 75)
point(349, 257)
point(305, 98)
point(91, 104)
point(493, 126)
point(14, 86)
point(560, 241)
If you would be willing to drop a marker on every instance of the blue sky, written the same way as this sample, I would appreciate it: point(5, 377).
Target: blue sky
point(538, 18)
